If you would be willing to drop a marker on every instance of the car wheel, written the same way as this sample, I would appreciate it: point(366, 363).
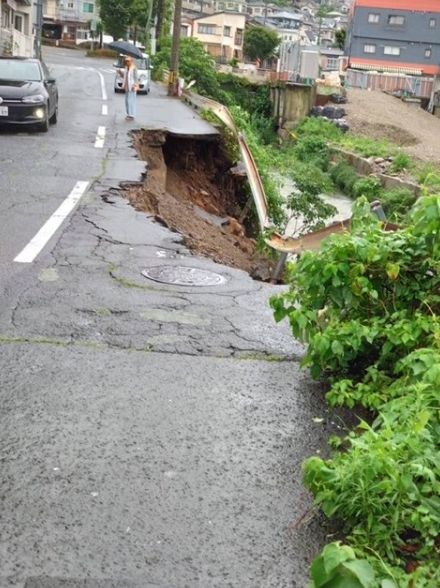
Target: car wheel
point(54, 118)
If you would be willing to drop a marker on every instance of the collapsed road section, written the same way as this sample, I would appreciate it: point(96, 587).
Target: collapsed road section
point(193, 187)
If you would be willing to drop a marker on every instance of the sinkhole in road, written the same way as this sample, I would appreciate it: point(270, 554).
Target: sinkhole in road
point(193, 187)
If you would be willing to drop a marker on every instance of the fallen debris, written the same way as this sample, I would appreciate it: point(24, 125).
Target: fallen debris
point(192, 187)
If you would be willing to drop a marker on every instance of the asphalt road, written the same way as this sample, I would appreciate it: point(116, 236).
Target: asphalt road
point(147, 436)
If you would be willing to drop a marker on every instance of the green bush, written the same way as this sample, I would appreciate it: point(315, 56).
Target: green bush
point(344, 177)
point(311, 179)
point(429, 178)
point(320, 127)
point(102, 53)
point(369, 187)
point(368, 147)
point(255, 98)
point(401, 162)
point(367, 304)
point(311, 146)
point(397, 202)
point(195, 64)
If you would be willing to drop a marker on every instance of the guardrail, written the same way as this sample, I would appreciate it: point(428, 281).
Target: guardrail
point(281, 243)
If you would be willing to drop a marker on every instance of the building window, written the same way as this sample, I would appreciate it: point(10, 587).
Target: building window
point(369, 48)
point(88, 7)
point(70, 5)
point(396, 21)
point(428, 53)
point(332, 63)
point(18, 23)
point(227, 31)
point(238, 37)
point(207, 29)
point(389, 50)
point(373, 18)
point(432, 23)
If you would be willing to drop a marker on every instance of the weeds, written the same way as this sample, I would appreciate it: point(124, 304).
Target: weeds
point(367, 304)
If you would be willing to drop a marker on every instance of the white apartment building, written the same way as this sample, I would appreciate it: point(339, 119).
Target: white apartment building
point(16, 28)
point(69, 20)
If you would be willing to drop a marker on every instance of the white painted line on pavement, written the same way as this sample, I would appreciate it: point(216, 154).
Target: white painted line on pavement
point(100, 138)
point(35, 245)
point(104, 109)
point(103, 90)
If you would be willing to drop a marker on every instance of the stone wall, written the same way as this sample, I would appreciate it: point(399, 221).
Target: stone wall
point(365, 167)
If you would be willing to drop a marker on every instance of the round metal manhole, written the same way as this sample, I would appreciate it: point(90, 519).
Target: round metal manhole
point(183, 276)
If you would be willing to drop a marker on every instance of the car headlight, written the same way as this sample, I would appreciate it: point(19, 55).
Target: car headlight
point(34, 99)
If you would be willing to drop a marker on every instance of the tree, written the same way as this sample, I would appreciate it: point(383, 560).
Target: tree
point(260, 43)
point(116, 16)
point(194, 64)
point(340, 36)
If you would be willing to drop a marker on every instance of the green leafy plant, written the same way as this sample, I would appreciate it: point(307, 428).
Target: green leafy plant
point(345, 177)
point(367, 305)
point(368, 147)
point(369, 187)
point(401, 162)
point(338, 567)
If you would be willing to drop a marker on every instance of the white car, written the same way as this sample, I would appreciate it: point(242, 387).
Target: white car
point(144, 74)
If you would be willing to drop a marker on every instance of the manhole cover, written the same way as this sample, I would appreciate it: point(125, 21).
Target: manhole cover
point(183, 276)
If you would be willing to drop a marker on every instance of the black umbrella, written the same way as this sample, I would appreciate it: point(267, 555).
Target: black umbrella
point(126, 48)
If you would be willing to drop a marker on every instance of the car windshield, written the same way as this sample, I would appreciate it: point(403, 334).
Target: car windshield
point(17, 71)
point(140, 63)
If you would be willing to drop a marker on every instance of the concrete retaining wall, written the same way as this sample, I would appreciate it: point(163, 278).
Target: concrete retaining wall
point(364, 167)
point(291, 103)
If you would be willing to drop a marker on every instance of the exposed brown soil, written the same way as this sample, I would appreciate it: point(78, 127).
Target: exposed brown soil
point(191, 188)
point(379, 115)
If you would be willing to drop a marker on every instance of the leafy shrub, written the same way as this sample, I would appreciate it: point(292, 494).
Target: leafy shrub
point(264, 159)
point(311, 146)
point(344, 177)
point(402, 161)
point(367, 304)
point(107, 53)
point(397, 202)
point(368, 147)
point(429, 178)
point(338, 566)
point(255, 98)
point(320, 127)
point(311, 179)
point(309, 210)
point(369, 187)
point(195, 64)
point(358, 299)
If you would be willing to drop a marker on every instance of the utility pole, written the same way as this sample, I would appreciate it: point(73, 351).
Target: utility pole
point(38, 27)
point(174, 67)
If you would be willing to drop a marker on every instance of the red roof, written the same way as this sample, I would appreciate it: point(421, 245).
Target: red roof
point(415, 5)
point(378, 63)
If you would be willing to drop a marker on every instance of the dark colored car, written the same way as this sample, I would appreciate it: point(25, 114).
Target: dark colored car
point(28, 93)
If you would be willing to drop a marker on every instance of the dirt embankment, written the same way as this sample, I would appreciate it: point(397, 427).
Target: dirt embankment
point(381, 116)
point(192, 188)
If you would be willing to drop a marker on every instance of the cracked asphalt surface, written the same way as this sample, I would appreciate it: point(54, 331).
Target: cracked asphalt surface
point(150, 434)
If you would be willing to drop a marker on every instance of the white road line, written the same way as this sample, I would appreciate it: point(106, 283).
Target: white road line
point(100, 138)
point(103, 90)
point(104, 109)
point(35, 245)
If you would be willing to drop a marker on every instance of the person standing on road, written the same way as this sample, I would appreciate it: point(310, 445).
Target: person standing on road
point(130, 75)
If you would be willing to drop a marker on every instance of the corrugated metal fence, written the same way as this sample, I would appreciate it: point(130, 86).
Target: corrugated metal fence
point(419, 87)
